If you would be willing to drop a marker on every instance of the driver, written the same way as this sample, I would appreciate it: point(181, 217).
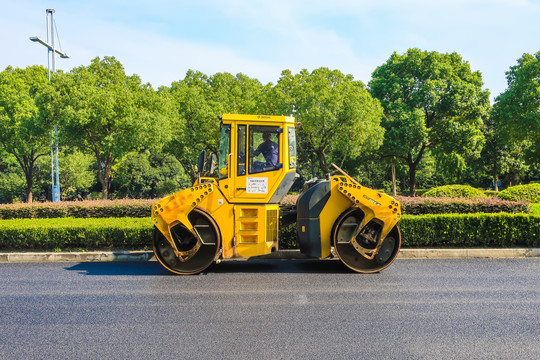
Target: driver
point(269, 149)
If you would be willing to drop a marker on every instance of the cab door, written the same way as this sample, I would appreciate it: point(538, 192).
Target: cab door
point(259, 161)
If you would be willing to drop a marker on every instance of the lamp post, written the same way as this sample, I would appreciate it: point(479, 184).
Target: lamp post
point(51, 50)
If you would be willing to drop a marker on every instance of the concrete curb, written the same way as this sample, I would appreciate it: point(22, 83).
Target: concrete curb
point(102, 256)
point(26, 257)
point(468, 253)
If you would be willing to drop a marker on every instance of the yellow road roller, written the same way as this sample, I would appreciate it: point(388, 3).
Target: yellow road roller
point(238, 213)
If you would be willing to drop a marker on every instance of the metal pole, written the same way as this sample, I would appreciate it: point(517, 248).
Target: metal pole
point(51, 11)
point(57, 167)
point(55, 180)
point(48, 40)
point(52, 168)
point(50, 25)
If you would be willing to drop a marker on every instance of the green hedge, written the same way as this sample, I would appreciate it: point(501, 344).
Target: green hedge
point(141, 208)
point(470, 230)
point(69, 233)
point(435, 205)
point(529, 192)
point(458, 230)
point(446, 230)
point(78, 209)
point(455, 191)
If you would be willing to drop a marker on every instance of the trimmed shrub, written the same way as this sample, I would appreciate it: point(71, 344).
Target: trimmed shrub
point(288, 236)
point(420, 205)
point(529, 192)
point(78, 209)
point(470, 230)
point(458, 230)
point(66, 233)
point(92, 234)
point(455, 191)
point(446, 230)
point(424, 205)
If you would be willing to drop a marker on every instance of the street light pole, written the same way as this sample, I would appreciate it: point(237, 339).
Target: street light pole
point(51, 50)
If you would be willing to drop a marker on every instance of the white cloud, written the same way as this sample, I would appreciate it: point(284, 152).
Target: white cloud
point(275, 35)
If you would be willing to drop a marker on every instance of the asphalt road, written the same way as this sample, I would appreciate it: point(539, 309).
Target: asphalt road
point(272, 309)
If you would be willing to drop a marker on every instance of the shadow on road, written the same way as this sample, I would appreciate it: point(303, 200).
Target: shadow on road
point(280, 266)
point(123, 268)
point(150, 268)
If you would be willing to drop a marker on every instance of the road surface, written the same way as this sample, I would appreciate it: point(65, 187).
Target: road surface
point(272, 309)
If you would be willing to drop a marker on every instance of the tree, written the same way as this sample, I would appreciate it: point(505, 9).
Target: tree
point(107, 113)
point(337, 113)
point(431, 101)
point(141, 174)
point(516, 111)
point(23, 133)
point(199, 99)
point(76, 175)
point(499, 160)
point(12, 184)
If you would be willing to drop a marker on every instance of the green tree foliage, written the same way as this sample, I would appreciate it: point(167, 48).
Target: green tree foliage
point(107, 113)
point(517, 110)
point(338, 115)
point(455, 191)
point(500, 161)
point(76, 174)
point(12, 184)
point(146, 175)
point(23, 133)
point(199, 99)
point(431, 101)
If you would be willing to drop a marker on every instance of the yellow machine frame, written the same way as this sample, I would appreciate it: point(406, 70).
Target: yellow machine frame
point(243, 205)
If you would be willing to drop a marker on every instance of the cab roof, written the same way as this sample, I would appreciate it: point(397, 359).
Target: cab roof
point(258, 118)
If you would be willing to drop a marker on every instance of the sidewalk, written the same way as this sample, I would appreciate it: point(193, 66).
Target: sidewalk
point(27, 257)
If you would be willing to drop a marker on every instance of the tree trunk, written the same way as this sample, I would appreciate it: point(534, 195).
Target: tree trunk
point(104, 177)
point(105, 191)
point(322, 163)
point(29, 175)
point(29, 195)
point(312, 162)
point(412, 168)
point(412, 179)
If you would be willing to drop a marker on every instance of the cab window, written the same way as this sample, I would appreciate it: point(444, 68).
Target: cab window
point(264, 144)
point(224, 151)
point(241, 170)
point(292, 148)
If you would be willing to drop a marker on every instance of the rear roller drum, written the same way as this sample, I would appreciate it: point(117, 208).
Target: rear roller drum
point(345, 228)
point(205, 252)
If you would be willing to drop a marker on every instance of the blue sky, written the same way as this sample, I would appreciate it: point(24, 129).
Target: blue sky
point(161, 39)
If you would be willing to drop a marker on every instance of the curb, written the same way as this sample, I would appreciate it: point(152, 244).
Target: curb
point(103, 256)
point(468, 253)
point(27, 257)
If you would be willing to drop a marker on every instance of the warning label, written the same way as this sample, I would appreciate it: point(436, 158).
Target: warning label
point(256, 185)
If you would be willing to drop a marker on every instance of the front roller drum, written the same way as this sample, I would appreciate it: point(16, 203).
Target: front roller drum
point(206, 251)
point(346, 227)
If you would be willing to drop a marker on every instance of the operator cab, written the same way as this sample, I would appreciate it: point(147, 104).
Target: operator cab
point(257, 157)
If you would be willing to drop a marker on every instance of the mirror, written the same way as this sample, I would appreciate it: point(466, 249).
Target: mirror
point(200, 163)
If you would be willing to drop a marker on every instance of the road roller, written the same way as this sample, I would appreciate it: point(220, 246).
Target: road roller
point(237, 213)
